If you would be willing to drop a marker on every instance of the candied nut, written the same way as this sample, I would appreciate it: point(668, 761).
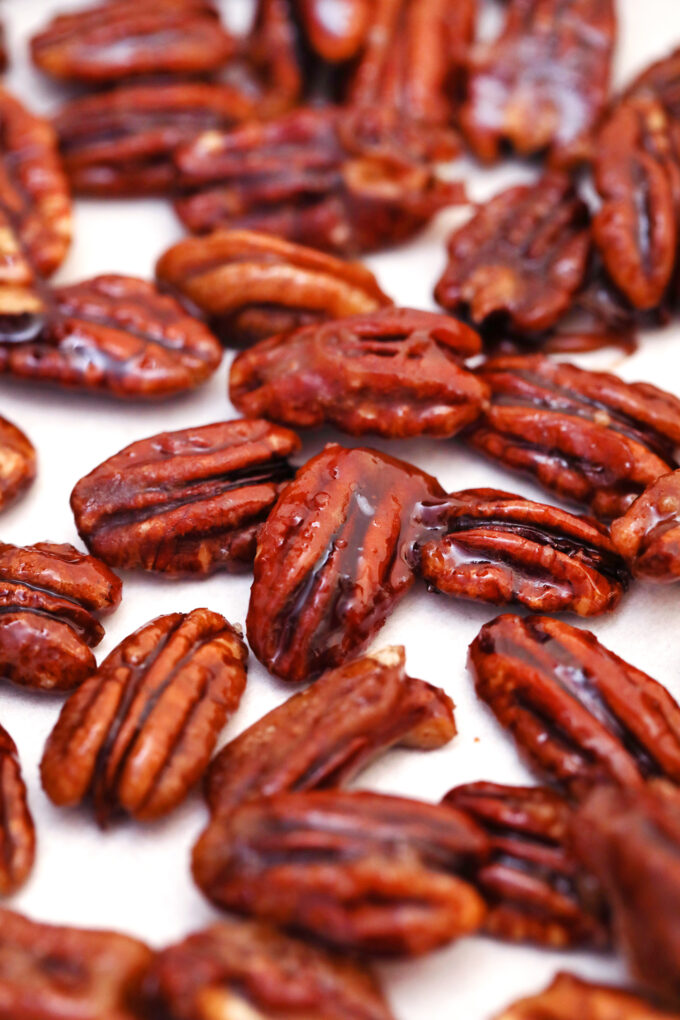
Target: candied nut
point(393, 373)
point(660, 81)
point(569, 996)
point(496, 547)
point(17, 462)
point(587, 436)
point(243, 968)
point(324, 735)
point(332, 559)
point(360, 871)
point(336, 35)
point(543, 84)
point(579, 714)
point(648, 535)
point(49, 594)
point(532, 884)
point(252, 286)
point(522, 256)
point(188, 502)
point(140, 732)
point(53, 973)
point(17, 831)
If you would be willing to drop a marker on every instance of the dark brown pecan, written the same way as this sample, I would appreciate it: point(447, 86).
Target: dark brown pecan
point(569, 996)
point(648, 534)
point(139, 733)
point(123, 38)
point(52, 973)
point(393, 373)
point(361, 871)
point(17, 831)
point(324, 735)
point(532, 884)
point(332, 559)
point(188, 502)
point(49, 594)
point(579, 714)
point(543, 84)
point(242, 968)
point(17, 462)
point(117, 335)
point(496, 547)
point(587, 436)
point(522, 256)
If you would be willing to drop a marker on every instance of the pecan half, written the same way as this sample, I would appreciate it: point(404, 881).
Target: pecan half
point(543, 84)
point(332, 559)
point(54, 973)
point(579, 714)
point(496, 547)
point(522, 256)
point(532, 884)
point(49, 594)
point(661, 81)
point(17, 462)
point(361, 871)
point(648, 534)
point(188, 502)
point(324, 735)
point(140, 732)
point(587, 436)
point(249, 969)
point(17, 831)
point(569, 996)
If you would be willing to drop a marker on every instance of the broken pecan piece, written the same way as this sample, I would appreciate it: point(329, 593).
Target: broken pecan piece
point(648, 534)
point(579, 714)
point(17, 462)
point(17, 831)
point(569, 996)
point(140, 732)
point(188, 502)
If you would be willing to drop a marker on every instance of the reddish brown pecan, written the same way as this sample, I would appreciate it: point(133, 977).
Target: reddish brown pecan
point(332, 559)
point(543, 84)
point(661, 81)
point(324, 735)
point(242, 968)
point(532, 884)
point(188, 502)
point(587, 436)
point(52, 973)
point(648, 534)
point(361, 871)
point(140, 732)
point(393, 373)
point(522, 257)
point(17, 462)
point(569, 996)
point(49, 594)
point(336, 35)
point(17, 831)
point(579, 714)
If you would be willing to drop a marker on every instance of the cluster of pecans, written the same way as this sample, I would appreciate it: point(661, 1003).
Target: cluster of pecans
point(312, 139)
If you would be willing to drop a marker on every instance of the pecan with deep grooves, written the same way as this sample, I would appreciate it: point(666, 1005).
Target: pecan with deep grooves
point(139, 733)
point(393, 373)
point(587, 436)
point(188, 502)
point(17, 462)
point(569, 996)
point(361, 871)
point(17, 831)
point(579, 714)
point(49, 594)
point(532, 884)
point(648, 534)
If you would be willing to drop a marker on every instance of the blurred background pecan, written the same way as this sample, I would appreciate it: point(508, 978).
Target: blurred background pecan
point(17, 831)
point(17, 462)
point(660, 80)
point(4, 57)
point(648, 534)
point(569, 996)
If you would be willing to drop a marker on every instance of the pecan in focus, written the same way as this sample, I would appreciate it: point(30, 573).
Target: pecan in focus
point(587, 436)
point(188, 502)
point(17, 462)
point(394, 373)
point(648, 534)
point(140, 732)
point(579, 714)
point(17, 831)
point(569, 996)
point(361, 871)
point(49, 594)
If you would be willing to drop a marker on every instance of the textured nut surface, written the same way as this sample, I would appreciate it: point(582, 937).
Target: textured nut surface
point(17, 831)
point(139, 733)
point(188, 502)
point(17, 462)
point(648, 534)
point(569, 996)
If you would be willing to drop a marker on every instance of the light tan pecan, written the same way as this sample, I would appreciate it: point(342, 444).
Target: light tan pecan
point(648, 534)
point(17, 831)
point(17, 462)
point(569, 996)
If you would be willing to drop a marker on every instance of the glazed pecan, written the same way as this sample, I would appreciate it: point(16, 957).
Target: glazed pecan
point(543, 84)
point(648, 534)
point(114, 334)
point(393, 373)
point(242, 968)
point(332, 559)
point(324, 735)
point(51, 973)
point(336, 35)
point(661, 81)
point(17, 831)
point(188, 502)
point(251, 285)
point(496, 547)
point(361, 871)
point(522, 256)
point(579, 714)
point(49, 594)
point(533, 886)
point(17, 462)
point(569, 996)
point(116, 39)
point(587, 436)
point(139, 733)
